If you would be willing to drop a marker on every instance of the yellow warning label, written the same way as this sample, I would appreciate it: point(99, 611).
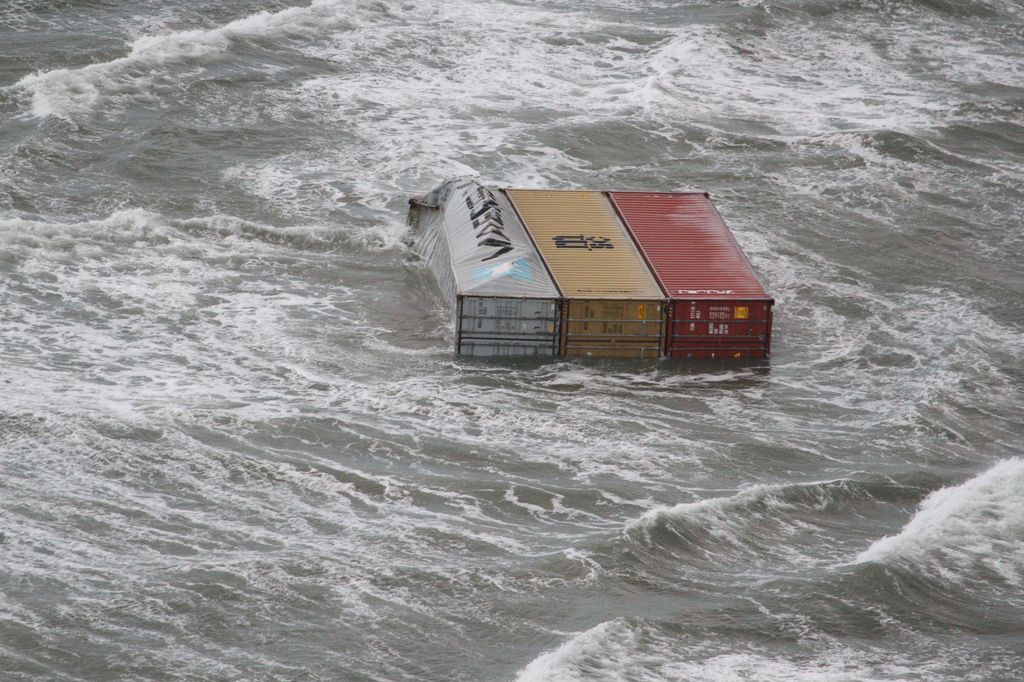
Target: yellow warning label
point(641, 312)
point(741, 312)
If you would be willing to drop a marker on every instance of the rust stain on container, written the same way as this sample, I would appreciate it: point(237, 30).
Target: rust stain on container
point(718, 308)
point(614, 306)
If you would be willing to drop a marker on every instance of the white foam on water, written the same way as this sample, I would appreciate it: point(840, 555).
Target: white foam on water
point(963, 532)
point(718, 512)
point(617, 650)
point(601, 652)
point(801, 81)
point(162, 308)
point(418, 101)
point(926, 344)
point(213, 531)
point(969, 58)
point(72, 92)
point(758, 524)
point(839, 666)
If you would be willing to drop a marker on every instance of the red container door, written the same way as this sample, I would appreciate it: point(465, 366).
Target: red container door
point(723, 329)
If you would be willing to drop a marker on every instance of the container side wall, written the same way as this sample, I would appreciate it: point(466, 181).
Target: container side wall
point(432, 245)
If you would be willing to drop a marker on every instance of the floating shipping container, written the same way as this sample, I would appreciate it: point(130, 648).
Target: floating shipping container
point(717, 306)
point(612, 304)
point(505, 302)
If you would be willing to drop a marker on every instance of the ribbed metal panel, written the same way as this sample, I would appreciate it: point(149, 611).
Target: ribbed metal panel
point(613, 328)
point(502, 326)
point(690, 248)
point(614, 308)
point(584, 244)
point(718, 307)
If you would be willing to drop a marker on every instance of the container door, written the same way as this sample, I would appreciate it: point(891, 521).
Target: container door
point(720, 329)
point(497, 326)
point(613, 328)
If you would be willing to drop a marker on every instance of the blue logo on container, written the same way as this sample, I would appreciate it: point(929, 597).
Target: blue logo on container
point(518, 269)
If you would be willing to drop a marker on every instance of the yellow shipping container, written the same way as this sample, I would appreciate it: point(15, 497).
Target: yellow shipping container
point(614, 306)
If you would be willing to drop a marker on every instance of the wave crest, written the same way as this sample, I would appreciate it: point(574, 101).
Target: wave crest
point(964, 530)
point(811, 496)
point(600, 652)
point(68, 93)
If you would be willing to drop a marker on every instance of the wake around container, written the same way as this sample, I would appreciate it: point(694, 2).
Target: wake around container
point(506, 303)
point(718, 308)
point(585, 273)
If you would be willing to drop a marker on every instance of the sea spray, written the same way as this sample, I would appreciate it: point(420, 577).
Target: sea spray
point(602, 652)
point(962, 530)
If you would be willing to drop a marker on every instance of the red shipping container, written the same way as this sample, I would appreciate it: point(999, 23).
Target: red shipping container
point(718, 308)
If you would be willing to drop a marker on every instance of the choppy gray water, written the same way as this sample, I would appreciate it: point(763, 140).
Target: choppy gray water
point(235, 445)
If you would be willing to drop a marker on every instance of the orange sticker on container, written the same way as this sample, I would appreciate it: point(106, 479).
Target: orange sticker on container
point(741, 312)
point(641, 312)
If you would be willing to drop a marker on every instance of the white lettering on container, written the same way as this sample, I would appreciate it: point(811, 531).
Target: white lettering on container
point(706, 291)
point(485, 216)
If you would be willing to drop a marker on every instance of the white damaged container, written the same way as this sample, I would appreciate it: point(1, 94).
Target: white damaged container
point(505, 302)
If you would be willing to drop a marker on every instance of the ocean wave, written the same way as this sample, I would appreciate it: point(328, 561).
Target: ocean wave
point(813, 68)
point(817, 496)
point(71, 92)
point(964, 533)
point(646, 651)
point(770, 521)
point(136, 227)
point(602, 652)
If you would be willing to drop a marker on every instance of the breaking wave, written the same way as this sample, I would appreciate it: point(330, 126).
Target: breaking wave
point(70, 92)
point(770, 520)
point(601, 652)
point(647, 651)
point(964, 532)
point(135, 226)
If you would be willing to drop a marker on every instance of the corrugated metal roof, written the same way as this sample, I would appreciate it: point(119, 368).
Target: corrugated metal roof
point(690, 248)
point(584, 244)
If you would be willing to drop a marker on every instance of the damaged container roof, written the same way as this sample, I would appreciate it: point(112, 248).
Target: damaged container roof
point(504, 301)
point(471, 236)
